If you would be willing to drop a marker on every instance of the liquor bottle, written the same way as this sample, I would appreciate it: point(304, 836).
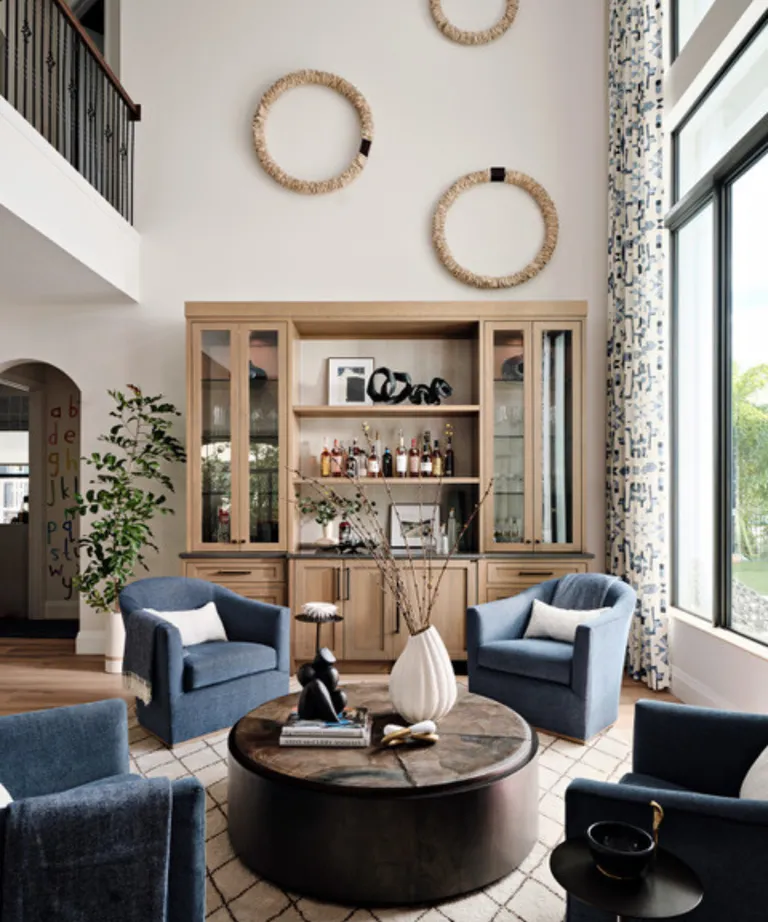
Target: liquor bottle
point(401, 459)
point(377, 446)
point(336, 458)
point(374, 465)
point(386, 463)
point(413, 460)
point(361, 461)
point(425, 468)
point(438, 468)
point(449, 460)
point(223, 533)
point(343, 459)
point(325, 460)
point(350, 465)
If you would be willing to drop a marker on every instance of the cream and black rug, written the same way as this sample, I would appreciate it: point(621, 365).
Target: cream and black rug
point(529, 894)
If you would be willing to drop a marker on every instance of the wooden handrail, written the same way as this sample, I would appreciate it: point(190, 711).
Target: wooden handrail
point(133, 108)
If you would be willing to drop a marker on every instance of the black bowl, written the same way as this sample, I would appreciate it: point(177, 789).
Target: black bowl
point(619, 850)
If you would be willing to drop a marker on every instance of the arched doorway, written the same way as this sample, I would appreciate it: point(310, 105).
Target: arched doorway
point(39, 476)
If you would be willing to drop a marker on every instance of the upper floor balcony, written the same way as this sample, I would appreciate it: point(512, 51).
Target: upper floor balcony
point(67, 144)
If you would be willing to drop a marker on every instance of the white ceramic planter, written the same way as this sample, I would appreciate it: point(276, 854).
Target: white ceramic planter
point(422, 685)
point(115, 643)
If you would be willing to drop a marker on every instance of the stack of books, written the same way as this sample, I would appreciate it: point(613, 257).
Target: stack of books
point(352, 731)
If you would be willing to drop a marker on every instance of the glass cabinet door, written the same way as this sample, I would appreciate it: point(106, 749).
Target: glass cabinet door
point(508, 525)
point(216, 419)
point(557, 358)
point(265, 419)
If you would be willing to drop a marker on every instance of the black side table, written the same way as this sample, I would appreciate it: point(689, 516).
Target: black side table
point(669, 889)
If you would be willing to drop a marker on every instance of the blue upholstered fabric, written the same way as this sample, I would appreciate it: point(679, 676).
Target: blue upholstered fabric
point(209, 663)
point(582, 591)
point(649, 781)
point(45, 752)
point(721, 837)
point(548, 660)
point(579, 707)
point(98, 851)
point(178, 711)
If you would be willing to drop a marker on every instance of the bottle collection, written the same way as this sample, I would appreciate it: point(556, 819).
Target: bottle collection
point(425, 460)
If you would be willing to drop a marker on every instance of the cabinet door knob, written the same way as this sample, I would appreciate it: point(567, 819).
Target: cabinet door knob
point(397, 618)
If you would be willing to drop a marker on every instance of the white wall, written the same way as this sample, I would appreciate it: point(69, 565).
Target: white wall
point(214, 226)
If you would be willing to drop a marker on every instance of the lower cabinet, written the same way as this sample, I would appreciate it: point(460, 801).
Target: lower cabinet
point(373, 630)
point(261, 580)
point(502, 579)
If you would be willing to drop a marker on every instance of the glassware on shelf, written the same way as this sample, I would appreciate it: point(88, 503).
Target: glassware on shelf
point(509, 390)
point(264, 428)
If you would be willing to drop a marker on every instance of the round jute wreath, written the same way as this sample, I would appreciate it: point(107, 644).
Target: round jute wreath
point(496, 174)
point(313, 78)
point(473, 38)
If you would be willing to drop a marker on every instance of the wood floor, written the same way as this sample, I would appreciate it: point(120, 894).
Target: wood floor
point(46, 673)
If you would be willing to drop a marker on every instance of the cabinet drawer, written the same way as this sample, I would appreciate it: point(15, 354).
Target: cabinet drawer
point(530, 573)
point(232, 572)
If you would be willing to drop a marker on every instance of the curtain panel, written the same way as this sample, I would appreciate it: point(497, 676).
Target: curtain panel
point(637, 514)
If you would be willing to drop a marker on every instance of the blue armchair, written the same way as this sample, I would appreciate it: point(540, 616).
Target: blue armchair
point(207, 687)
point(48, 752)
point(692, 761)
point(568, 689)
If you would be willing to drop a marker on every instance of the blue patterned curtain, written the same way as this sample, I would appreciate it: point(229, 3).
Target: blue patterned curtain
point(637, 339)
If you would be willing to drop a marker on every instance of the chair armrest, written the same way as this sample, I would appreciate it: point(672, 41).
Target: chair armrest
point(505, 619)
point(256, 622)
point(588, 801)
point(600, 649)
point(45, 752)
point(168, 661)
point(702, 749)
point(186, 873)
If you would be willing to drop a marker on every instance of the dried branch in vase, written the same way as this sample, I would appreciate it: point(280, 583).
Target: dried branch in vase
point(412, 576)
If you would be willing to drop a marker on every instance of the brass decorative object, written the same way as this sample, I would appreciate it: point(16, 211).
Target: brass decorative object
point(658, 819)
point(496, 174)
point(313, 78)
point(463, 37)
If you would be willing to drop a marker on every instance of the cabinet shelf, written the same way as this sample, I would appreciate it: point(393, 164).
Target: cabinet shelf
point(386, 410)
point(393, 481)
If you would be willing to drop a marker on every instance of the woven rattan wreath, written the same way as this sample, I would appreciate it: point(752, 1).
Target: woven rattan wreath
point(316, 78)
point(537, 193)
point(473, 38)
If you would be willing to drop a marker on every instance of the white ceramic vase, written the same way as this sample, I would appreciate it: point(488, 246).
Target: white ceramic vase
point(329, 536)
point(422, 685)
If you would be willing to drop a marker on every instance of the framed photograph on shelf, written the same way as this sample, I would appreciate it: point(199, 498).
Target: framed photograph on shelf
point(347, 381)
point(414, 525)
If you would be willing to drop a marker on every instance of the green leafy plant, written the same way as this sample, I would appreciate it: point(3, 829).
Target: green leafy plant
point(325, 510)
point(122, 495)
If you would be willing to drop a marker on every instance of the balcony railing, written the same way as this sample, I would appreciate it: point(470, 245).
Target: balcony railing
point(55, 76)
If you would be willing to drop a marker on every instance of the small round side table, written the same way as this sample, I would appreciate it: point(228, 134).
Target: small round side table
point(670, 888)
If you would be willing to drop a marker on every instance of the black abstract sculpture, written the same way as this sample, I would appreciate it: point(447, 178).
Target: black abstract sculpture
point(388, 392)
point(321, 698)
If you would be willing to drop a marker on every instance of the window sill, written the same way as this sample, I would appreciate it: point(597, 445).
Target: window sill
point(722, 635)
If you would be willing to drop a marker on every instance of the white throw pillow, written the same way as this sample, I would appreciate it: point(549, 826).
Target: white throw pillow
point(558, 623)
point(755, 783)
point(5, 797)
point(200, 625)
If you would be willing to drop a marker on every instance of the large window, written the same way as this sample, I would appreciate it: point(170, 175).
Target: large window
point(694, 462)
point(749, 401)
point(720, 364)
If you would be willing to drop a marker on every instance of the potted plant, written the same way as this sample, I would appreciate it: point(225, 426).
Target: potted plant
point(325, 511)
point(422, 684)
point(126, 492)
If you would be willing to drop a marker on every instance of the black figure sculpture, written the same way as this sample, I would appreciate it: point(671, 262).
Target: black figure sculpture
point(387, 391)
point(321, 698)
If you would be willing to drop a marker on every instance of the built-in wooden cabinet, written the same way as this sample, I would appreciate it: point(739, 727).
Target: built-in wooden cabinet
point(258, 413)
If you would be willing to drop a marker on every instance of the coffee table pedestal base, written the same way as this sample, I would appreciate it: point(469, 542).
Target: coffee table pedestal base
point(378, 847)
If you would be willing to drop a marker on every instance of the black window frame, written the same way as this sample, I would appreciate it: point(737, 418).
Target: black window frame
point(715, 188)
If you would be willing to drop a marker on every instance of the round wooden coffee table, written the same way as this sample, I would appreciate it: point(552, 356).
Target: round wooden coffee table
point(385, 826)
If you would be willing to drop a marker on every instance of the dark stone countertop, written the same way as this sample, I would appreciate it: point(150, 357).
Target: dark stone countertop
point(322, 554)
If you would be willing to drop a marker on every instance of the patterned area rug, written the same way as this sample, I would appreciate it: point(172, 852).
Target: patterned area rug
point(529, 894)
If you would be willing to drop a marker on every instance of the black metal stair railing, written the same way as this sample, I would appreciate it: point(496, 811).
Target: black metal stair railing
point(54, 75)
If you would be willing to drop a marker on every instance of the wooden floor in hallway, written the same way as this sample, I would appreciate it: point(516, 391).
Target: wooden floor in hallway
point(47, 673)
